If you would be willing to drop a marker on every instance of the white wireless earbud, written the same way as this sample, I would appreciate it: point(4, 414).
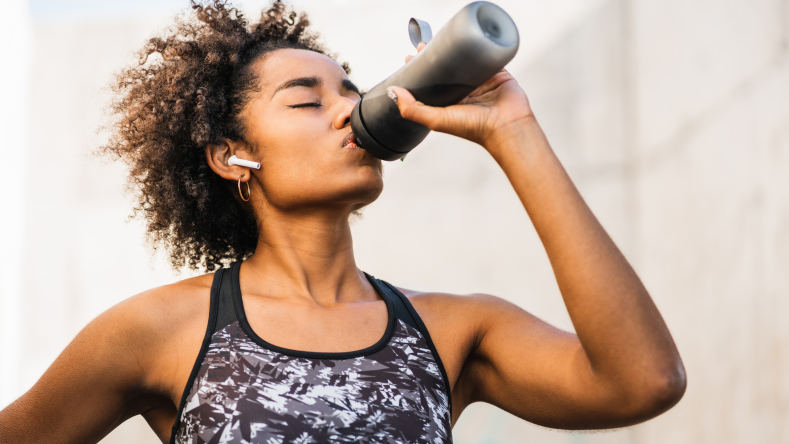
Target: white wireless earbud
point(244, 163)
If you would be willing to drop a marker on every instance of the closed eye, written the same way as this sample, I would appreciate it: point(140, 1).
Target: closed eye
point(305, 105)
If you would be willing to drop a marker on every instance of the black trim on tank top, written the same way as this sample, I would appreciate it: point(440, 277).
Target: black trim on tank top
point(226, 310)
point(213, 308)
point(423, 329)
point(238, 303)
point(401, 311)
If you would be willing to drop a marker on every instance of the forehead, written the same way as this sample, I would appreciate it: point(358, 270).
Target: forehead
point(285, 64)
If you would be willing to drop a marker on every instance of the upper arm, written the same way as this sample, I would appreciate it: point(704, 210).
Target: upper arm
point(496, 352)
point(84, 392)
point(525, 366)
point(101, 378)
point(534, 371)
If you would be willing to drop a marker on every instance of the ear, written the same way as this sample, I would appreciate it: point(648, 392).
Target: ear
point(218, 155)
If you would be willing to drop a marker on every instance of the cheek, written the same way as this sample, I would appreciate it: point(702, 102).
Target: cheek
point(295, 181)
point(288, 149)
point(294, 134)
point(303, 164)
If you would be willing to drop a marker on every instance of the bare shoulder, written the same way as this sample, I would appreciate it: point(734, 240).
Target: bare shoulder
point(457, 323)
point(169, 324)
point(158, 331)
point(132, 359)
point(173, 303)
point(471, 317)
point(469, 310)
point(161, 310)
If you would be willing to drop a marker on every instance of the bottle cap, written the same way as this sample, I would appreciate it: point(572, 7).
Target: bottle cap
point(419, 31)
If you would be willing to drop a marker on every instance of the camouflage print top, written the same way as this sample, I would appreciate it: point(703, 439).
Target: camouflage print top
point(245, 390)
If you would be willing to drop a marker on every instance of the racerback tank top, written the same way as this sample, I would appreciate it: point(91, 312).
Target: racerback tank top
point(244, 390)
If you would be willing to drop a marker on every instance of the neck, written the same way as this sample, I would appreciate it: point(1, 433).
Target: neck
point(306, 257)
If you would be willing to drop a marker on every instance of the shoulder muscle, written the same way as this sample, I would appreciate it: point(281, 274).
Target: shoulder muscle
point(92, 386)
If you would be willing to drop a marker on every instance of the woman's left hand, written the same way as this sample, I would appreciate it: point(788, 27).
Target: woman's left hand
point(493, 111)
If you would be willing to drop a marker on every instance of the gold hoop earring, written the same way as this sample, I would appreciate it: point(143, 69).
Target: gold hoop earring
point(239, 189)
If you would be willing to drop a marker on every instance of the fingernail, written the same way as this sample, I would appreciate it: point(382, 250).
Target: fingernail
point(390, 92)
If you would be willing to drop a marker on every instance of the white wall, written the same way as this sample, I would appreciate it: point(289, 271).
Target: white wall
point(672, 117)
point(16, 35)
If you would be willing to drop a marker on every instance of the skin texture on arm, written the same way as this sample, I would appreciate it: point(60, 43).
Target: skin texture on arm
point(103, 389)
point(622, 367)
point(133, 359)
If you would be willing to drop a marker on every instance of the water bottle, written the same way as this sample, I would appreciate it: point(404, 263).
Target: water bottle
point(476, 44)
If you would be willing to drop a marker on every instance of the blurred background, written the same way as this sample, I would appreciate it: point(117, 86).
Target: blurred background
point(672, 117)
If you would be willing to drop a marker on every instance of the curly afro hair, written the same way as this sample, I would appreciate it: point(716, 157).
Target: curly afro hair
point(169, 107)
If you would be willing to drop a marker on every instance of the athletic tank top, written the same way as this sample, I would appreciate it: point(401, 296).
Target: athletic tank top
point(244, 390)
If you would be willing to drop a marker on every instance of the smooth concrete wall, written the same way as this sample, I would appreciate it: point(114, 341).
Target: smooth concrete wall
point(16, 32)
point(671, 117)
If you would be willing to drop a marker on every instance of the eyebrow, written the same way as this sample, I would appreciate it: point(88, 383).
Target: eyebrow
point(347, 84)
point(312, 82)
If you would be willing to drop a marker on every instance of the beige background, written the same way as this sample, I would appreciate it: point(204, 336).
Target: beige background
point(672, 117)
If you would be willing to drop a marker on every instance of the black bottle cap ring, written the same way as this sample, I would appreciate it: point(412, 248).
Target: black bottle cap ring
point(367, 142)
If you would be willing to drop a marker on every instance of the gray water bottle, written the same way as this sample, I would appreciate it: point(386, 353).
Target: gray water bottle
point(476, 44)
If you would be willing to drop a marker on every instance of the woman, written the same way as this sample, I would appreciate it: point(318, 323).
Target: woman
point(295, 343)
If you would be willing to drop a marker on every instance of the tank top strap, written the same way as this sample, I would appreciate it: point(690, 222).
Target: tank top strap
point(387, 291)
point(407, 313)
point(222, 298)
point(219, 316)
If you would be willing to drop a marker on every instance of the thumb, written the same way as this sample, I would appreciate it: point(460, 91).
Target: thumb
point(411, 109)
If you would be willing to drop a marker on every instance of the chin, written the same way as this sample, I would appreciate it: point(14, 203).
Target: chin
point(362, 191)
point(368, 192)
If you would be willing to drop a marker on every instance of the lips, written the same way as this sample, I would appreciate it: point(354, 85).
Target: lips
point(349, 141)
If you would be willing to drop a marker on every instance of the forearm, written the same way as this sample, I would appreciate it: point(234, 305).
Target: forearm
point(622, 333)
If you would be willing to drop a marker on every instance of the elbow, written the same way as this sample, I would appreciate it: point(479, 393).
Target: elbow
point(657, 393)
point(667, 389)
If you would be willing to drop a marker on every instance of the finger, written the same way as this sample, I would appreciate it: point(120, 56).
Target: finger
point(418, 48)
point(411, 109)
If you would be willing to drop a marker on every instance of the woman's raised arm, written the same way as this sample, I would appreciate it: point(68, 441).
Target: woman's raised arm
point(622, 367)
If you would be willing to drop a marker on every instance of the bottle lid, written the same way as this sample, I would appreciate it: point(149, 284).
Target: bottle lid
point(419, 31)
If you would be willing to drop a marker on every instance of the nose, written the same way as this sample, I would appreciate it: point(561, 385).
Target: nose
point(343, 117)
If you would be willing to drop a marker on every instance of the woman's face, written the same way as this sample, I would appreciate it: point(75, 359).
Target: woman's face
point(299, 124)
